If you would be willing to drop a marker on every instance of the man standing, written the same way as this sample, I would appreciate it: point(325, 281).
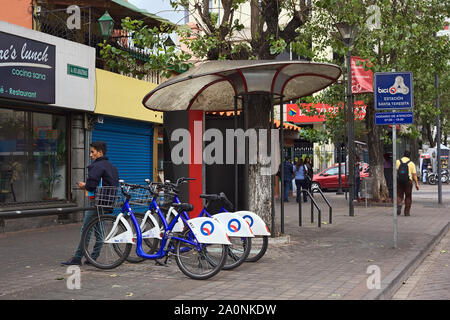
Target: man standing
point(101, 172)
point(406, 173)
point(288, 171)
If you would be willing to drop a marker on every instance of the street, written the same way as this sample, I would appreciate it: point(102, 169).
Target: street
point(327, 263)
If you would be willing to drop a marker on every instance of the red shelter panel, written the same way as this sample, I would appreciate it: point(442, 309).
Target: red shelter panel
point(196, 125)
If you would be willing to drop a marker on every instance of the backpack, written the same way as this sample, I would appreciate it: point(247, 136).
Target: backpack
point(403, 172)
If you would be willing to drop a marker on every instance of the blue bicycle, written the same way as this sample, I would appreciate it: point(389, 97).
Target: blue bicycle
point(200, 249)
point(240, 247)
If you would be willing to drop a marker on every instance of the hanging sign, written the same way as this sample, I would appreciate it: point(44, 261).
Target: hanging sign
point(27, 69)
point(362, 80)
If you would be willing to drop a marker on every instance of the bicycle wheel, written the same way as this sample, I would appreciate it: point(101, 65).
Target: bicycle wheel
point(149, 245)
point(201, 262)
point(100, 254)
point(238, 251)
point(259, 247)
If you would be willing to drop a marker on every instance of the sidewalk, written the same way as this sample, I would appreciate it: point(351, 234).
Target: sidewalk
point(330, 262)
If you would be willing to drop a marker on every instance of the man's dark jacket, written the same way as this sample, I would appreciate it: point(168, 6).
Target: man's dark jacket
point(103, 169)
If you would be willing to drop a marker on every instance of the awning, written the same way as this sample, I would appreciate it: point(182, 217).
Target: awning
point(287, 126)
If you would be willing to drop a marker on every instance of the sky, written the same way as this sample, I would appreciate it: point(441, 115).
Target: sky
point(161, 8)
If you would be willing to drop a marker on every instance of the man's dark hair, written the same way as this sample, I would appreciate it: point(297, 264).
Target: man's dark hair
point(99, 146)
point(407, 154)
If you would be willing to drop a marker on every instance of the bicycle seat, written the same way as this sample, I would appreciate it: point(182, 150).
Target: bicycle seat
point(210, 196)
point(183, 206)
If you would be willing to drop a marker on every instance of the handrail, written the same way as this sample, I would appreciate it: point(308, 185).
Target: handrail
point(330, 218)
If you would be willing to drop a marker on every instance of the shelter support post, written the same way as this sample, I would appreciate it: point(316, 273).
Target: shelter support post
point(282, 165)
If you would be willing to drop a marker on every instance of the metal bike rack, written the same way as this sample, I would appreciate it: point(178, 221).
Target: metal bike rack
point(313, 204)
point(330, 218)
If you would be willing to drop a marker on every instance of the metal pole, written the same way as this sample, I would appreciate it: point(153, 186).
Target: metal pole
point(272, 149)
point(236, 175)
point(246, 184)
point(438, 140)
point(89, 26)
point(282, 165)
point(339, 190)
point(394, 178)
point(351, 139)
point(300, 209)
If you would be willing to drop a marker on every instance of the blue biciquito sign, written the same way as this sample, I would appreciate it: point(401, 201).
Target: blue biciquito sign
point(393, 90)
point(385, 118)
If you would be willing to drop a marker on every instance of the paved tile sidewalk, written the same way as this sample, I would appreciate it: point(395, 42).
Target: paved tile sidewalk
point(330, 262)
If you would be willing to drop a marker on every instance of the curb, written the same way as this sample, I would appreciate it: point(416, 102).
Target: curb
point(395, 279)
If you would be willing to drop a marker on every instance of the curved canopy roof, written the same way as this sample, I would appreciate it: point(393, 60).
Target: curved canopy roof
point(213, 85)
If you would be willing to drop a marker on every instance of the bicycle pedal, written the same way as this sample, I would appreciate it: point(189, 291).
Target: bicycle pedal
point(161, 264)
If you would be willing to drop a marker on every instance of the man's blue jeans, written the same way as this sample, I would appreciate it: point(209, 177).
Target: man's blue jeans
point(287, 188)
point(98, 229)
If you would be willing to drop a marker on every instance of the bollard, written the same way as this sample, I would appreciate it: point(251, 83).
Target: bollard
point(300, 211)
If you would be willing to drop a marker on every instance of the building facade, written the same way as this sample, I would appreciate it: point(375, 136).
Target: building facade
point(55, 99)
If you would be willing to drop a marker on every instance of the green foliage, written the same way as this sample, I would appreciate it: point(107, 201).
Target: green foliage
point(405, 42)
point(159, 55)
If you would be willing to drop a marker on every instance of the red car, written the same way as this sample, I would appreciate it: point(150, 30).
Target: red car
point(329, 178)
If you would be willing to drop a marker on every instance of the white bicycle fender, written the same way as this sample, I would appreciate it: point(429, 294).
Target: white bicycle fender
point(257, 224)
point(124, 237)
point(235, 226)
point(208, 230)
point(154, 232)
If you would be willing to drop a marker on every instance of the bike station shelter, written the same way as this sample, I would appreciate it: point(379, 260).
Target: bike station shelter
point(235, 85)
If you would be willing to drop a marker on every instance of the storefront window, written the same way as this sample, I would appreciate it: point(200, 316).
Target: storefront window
point(33, 156)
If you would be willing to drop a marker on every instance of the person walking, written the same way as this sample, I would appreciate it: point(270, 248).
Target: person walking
point(300, 173)
point(406, 173)
point(101, 172)
point(357, 176)
point(288, 172)
point(309, 173)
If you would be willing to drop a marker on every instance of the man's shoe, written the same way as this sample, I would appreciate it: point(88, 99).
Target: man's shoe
point(399, 210)
point(72, 262)
point(87, 263)
point(407, 215)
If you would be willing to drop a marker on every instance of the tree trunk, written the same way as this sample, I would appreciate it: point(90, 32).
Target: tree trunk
point(375, 146)
point(259, 185)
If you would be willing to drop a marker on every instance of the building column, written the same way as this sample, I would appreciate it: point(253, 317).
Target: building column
point(78, 162)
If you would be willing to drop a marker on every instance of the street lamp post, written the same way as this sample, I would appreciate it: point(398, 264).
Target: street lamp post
point(348, 34)
point(106, 24)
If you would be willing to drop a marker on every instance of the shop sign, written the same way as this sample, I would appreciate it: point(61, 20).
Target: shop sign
point(27, 69)
point(297, 115)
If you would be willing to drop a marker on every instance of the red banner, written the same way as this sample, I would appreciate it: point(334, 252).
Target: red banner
point(294, 114)
point(362, 81)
